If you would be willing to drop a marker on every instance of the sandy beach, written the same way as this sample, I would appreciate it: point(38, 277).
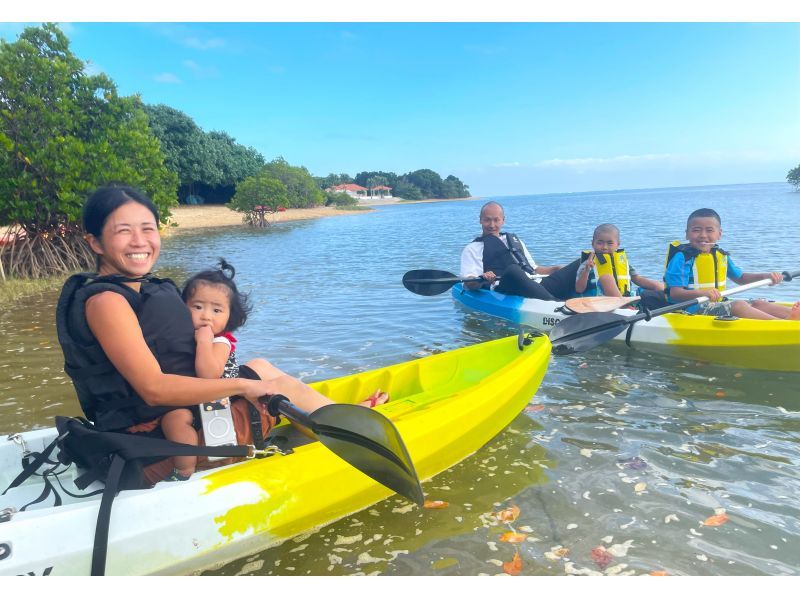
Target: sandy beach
point(215, 216)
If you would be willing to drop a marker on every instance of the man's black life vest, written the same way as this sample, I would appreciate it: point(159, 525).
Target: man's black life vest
point(105, 396)
point(497, 257)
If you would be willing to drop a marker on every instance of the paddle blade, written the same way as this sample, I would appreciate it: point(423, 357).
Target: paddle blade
point(582, 332)
point(583, 305)
point(429, 282)
point(369, 442)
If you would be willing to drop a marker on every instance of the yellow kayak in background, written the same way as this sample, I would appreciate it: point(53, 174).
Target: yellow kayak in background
point(736, 342)
point(445, 407)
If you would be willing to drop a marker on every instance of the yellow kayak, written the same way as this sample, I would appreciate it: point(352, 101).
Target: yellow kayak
point(742, 343)
point(444, 406)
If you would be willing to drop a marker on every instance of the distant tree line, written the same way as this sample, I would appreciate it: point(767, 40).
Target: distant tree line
point(793, 178)
point(420, 184)
point(208, 165)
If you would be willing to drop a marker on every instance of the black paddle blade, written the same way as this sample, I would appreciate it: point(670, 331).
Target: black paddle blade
point(429, 282)
point(369, 442)
point(582, 332)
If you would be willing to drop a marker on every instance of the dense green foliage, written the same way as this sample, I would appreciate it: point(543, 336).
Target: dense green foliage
point(333, 179)
point(62, 134)
point(209, 164)
point(420, 184)
point(302, 191)
point(339, 199)
point(277, 184)
point(793, 178)
point(260, 190)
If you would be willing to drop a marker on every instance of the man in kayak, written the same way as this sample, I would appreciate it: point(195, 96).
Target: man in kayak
point(700, 268)
point(506, 265)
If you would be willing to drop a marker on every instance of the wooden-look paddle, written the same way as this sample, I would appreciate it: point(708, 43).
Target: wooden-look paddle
point(583, 305)
point(435, 282)
point(582, 332)
point(363, 437)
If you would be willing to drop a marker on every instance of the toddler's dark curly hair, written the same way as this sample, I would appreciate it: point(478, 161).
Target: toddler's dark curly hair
point(222, 276)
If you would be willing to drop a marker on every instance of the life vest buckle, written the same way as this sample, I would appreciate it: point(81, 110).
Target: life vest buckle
point(267, 451)
point(18, 439)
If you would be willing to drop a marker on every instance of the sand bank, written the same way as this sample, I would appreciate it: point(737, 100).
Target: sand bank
point(215, 216)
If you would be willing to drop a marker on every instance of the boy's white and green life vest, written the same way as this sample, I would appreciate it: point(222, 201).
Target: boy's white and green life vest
point(709, 270)
point(615, 264)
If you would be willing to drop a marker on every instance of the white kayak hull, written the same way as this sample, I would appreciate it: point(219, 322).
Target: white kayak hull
point(756, 344)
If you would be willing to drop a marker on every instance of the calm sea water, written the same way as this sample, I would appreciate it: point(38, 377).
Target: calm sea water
point(622, 449)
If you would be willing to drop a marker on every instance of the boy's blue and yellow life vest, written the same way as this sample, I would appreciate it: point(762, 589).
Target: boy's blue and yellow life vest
point(709, 271)
point(615, 264)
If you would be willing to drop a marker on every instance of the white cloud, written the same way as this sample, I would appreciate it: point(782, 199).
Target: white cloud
point(202, 72)
point(170, 78)
point(507, 165)
point(694, 161)
point(204, 44)
point(185, 36)
point(615, 163)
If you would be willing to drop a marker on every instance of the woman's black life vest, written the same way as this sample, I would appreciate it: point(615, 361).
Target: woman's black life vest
point(105, 396)
point(497, 257)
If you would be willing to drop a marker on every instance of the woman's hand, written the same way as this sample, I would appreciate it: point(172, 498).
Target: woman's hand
point(254, 390)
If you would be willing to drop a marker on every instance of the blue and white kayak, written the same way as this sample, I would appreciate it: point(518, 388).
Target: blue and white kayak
point(757, 344)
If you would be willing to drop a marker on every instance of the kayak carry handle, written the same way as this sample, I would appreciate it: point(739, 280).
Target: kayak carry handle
point(787, 276)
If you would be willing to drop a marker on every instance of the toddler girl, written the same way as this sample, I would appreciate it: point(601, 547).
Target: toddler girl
point(217, 308)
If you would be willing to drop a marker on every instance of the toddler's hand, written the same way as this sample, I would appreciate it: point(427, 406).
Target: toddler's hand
point(203, 334)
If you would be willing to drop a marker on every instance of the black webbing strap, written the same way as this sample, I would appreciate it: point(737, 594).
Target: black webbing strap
point(100, 549)
point(128, 447)
point(31, 466)
point(136, 450)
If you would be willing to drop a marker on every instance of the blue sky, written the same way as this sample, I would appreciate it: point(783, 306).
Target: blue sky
point(510, 108)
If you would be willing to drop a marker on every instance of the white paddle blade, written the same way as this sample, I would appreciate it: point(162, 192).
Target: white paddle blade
point(583, 305)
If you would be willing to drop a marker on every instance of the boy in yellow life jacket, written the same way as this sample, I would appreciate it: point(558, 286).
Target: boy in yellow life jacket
point(605, 269)
point(700, 268)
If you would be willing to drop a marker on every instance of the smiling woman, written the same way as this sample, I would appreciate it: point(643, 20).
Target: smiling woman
point(129, 340)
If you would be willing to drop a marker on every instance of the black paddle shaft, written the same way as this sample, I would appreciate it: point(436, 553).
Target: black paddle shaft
point(433, 282)
point(586, 331)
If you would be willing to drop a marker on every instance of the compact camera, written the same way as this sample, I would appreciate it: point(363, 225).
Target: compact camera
point(217, 423)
